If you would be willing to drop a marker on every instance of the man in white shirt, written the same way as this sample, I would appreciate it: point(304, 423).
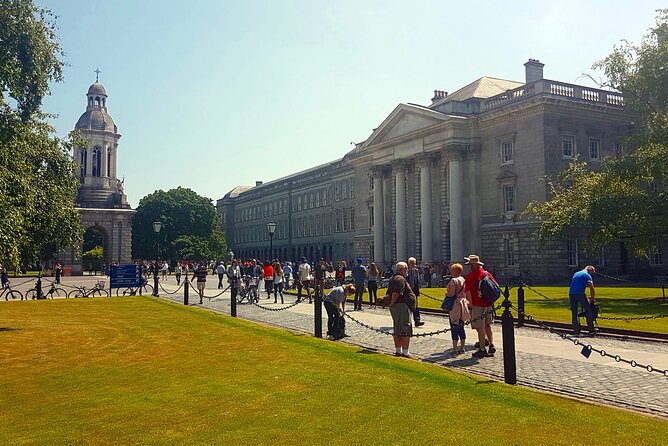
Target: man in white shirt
point(220, 270)
point(304, 280)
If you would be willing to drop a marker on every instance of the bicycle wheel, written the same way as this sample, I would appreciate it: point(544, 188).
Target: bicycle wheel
point(31, 294)
point(99, 293)
point(147, 290)
point(75, 293)
point(13, 295)
point(57, 292)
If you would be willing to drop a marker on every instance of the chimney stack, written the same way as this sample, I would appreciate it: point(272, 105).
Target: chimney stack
point(258, 183)
point(438, 95)
point(533, 70)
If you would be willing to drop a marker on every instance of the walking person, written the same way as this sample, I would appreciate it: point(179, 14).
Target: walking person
point(279, 279)
point(402, 301)
point(268, 275)
point(359, 274)
point(320, 272)
point(340, 274)
point(372, 283)
point(414, 283)
point(287, 272)
point(482, 312)
point(460, 312)
point(220, 270)
point(58, 272)
point(177, 272)
point(200, 274)
point(335, 305)
point(234, 277)
point(304, 280)
point(576, 295)
point(164, 270)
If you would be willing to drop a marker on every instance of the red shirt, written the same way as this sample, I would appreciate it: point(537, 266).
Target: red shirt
point(471, 285)
point(268, 272)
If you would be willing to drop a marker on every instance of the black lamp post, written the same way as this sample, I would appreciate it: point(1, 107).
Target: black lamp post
point(271, 227)
point(157, 226)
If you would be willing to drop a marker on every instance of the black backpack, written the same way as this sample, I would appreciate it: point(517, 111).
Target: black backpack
point(489, 289)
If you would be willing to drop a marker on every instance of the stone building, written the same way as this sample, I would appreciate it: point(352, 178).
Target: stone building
point(443, 180)
point(105, 213)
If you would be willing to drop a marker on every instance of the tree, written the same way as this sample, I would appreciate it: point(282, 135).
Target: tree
point(627, 199)
point(37, 175)
point(190, 226)
point(92, 260)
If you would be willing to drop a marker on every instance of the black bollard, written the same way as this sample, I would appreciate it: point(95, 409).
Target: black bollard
point(155, 283)
point(234, 289)
point(520, 305)
point(38, 287)
point(508, 332)
point(317, 312)
point(185, 289)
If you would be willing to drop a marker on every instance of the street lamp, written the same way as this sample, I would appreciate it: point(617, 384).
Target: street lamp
point(271, 227)
point(157, 226)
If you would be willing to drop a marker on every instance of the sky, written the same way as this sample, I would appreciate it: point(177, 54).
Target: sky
point(211, 94)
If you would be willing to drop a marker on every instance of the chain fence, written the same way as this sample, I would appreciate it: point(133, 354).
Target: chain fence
point(171, 292)
point(204, 295)
point(588, 348)
point(619, 279)
point(295, 303)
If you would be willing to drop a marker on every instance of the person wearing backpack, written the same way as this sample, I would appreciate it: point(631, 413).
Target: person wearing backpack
point(459, 313)
point(482, 311)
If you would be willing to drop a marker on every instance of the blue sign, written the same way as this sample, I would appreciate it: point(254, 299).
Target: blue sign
point(125, 276)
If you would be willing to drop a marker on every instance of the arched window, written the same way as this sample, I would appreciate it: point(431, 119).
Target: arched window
point(109, 162)
point(104, 102)
point(97, 162)
point(97, 101)
point(83, 161)
point(90, 100)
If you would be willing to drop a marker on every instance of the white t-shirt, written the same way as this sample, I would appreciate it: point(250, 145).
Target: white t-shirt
point(304, 271)
point(220, 269)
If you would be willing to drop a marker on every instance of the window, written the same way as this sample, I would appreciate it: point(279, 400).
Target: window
point(317, 225)
point(337, 219)
point(109, 162)
point(594, 149)
point(619, 149)
point(337, 191)
point(509, 249)
point(271, 208)
point(83, 160)
point(345, 220)
point(299, 203)
point(344, 193)
point(572, 252)
point(352, 219)
point(372, 182)
point(325, 197)
point(371, 217)
point(352, 188)
point(600, 260)
point(310, 226)
point(506, 152)
point(655, 255)
point(317, 198)
point(568, 146)
point(97, 162)
point(310, 201)
point(508, 198)
point(324, 224)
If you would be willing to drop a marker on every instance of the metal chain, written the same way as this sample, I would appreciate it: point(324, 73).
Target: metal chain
point(602, 352)
point(429, 297)
point(23, 283)
point(549, 299)
point(171, 292)
point(297, 302)
point(208, 297)
point(619, 279)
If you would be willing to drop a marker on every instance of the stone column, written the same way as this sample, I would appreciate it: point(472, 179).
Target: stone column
point(456, 208)
point(89, 161)
point(378, 216)
point(103, 163)
point(400, 182)
point(425, 210)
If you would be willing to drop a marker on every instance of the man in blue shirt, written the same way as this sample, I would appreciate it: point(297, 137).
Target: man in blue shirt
point(359, 274)
point(576, 295)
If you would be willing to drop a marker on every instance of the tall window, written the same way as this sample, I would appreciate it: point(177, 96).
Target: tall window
point(97, 162)
point(352, 188)
point(352, 219)
point(311, 200)
point(568, 146)
point(325, 222)
point(344, 193)
point(310, 225)
point(506, 152)
point(83, 160)
point(317, 224)
point(655, 255)
point(317, 198)
point(345, 220)
point(508, 198)
point(371, 182)
point(337, 191)
point(109, 162)
point(299, 203)
point(337, 219)
point(371, 216)
point(572, 252)
point(509, 249)
point(595, 149)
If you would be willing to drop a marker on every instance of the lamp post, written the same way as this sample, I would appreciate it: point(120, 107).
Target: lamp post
point(271, 227)
point(157, 226)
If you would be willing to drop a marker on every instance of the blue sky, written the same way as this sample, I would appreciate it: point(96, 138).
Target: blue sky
point(214, 94)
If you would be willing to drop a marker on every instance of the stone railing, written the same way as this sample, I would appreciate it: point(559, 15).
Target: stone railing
point(546, 87)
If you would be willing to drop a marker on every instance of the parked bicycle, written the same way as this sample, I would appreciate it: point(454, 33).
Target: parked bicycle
point(97, 291)
point(9, 293)
point(146, 290)
point(32, 293)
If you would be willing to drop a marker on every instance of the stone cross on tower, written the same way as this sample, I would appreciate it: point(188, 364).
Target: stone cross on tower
point(97, 74)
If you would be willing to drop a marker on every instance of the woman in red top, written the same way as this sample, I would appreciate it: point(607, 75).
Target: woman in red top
point(268, 273)
point(340, 274)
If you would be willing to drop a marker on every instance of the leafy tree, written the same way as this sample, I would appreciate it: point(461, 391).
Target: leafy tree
point(190, 226)
point(37, 175)
point(92, 260)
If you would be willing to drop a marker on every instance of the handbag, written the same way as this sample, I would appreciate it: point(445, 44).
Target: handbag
point(449, 301)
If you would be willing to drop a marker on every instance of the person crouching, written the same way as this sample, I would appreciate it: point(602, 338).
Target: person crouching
point(335, 305)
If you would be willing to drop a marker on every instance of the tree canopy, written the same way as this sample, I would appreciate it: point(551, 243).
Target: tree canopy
point(190, 227)
point(626, 200)
point(38, 182)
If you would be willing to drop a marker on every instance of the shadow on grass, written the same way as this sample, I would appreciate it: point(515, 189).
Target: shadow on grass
point(367, 351)
point(627, 307)
point(9, 329)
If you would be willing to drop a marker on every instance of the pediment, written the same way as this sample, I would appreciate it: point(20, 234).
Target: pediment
point(403, 120)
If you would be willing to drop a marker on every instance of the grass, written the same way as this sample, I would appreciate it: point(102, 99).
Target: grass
point(613, 302)
point(145, 371)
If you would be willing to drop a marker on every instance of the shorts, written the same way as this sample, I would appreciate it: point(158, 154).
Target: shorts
point(477, 312)
point(201, 286)
point(401, 316)
point(457, 331)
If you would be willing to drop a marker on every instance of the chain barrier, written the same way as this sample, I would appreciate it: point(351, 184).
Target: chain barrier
point(419, 335)
point(429, 297)
point(171, 292)
point(619, 279)
point(208, 297)
point(589, 347)
point(295, 303)
point(23, 283)
point(549, 299)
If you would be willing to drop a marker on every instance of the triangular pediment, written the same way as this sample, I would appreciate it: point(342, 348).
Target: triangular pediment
point(403, 120)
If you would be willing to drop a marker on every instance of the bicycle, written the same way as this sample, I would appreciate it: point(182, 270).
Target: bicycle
point(248, 291)
point(97, 291)
point(146, 290)
point(58, 292)
point(9, 293)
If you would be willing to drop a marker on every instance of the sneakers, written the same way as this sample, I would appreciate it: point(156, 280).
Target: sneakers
point(477, 344)
point(491, 350)
point(419, 324)
point(480, 354)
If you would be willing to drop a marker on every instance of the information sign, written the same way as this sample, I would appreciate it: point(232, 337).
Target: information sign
point(125, 276)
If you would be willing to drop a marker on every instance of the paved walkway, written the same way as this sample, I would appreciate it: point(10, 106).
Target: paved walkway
point(544, 360)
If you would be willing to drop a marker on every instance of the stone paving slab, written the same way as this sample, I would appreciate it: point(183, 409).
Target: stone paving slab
point(544, 360)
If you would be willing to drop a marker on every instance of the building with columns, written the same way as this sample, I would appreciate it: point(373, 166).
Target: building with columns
point(444, 180)
point(105, 213)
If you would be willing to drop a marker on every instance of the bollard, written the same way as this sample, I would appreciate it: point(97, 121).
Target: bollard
point(38, 287)
point(155, 282)
point(317, 312)
point(520, 305)
point(185, 289)
point(234, 289)
point(508, 332)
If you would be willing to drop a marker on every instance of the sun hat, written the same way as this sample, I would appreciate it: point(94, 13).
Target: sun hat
point(473, 260)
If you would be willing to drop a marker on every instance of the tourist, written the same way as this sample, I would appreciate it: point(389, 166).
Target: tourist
point(359, 274)
point(482, 312)
point(335, 305)
point(427, 275)
point(388, 272)
point(58, 272)
point(414, 283)
point(460, 312)
point(402, 302)
point(268, 275)
point(4, 278)
point(164, 270)
point(319, 271)
point(304, 280)
point(234, 277)
point(372, 283)
point(200, 274)
point(220, 270)
point(287, 272)
point(340, 274)
point(576, 296)
point(177, 272)
point(279, 278)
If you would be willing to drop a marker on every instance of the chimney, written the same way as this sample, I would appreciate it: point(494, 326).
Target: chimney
point(533, 70)
point(258, 183)
point(438, 95)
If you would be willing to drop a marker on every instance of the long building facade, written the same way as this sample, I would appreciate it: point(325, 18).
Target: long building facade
point(444, 180)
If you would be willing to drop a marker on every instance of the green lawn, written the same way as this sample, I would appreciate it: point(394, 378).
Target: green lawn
point(613, 301)
point(146, 371)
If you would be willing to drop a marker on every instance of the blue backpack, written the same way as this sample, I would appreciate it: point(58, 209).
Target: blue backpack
point(489, 289)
